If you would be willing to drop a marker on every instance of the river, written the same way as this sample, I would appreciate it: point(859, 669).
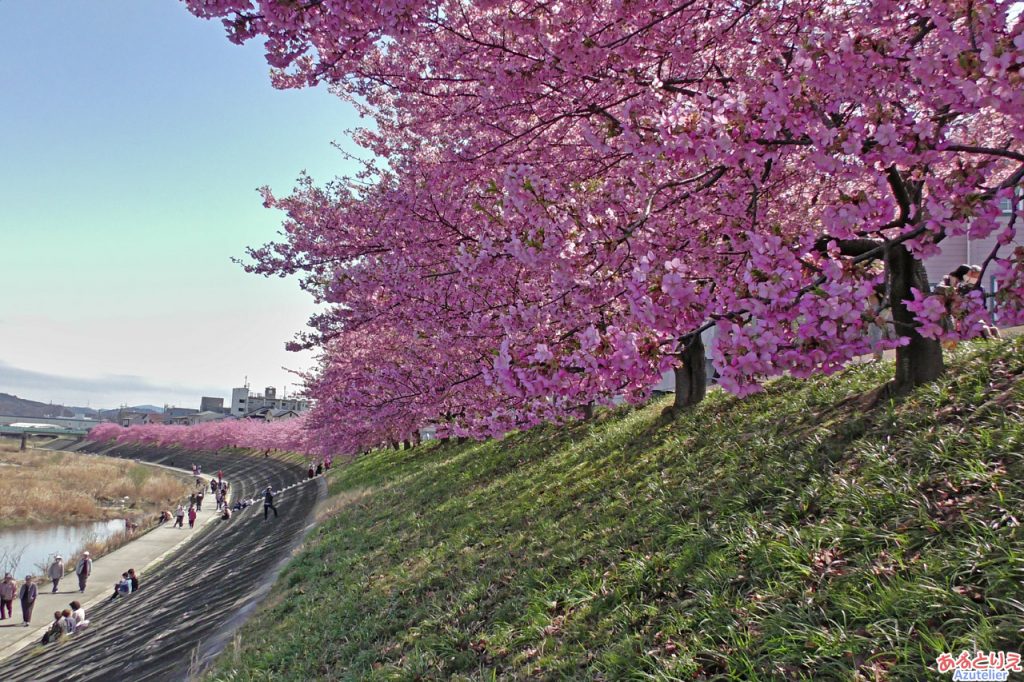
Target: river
point(34, 547)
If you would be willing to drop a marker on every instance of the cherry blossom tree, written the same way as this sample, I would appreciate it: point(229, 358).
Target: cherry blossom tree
point(568, 193)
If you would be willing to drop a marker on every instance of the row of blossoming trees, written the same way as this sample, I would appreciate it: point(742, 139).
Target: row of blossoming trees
point(565, 194)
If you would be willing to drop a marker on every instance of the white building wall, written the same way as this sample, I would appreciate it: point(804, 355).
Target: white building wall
point(239, 401)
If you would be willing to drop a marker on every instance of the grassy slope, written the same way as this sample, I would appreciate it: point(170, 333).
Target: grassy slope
point(787, 535)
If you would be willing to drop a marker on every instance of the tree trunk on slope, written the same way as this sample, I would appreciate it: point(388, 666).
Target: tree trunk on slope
point(691, 376)
point(920, 361)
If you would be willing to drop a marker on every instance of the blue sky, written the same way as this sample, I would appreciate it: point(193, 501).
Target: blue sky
point(133, 137)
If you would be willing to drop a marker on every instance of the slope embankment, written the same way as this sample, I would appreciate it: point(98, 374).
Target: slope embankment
point(802, 533)
point(191, 600)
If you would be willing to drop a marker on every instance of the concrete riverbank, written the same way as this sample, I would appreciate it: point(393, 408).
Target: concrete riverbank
point(191, 599)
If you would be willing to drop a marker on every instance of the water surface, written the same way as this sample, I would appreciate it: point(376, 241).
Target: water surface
point(25, 550)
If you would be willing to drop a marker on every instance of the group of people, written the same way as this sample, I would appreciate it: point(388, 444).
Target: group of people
point(28, 592)
point(318, 467)
point(66, 622)
point(218, 487)
point(128, 584)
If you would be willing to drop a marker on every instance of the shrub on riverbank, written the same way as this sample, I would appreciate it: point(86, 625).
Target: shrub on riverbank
point(795, 534)
point(42, 486)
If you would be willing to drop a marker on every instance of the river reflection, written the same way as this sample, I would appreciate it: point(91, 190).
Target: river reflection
point(37, 546)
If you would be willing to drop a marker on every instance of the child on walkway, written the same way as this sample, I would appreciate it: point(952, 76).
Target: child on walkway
point(191, 517)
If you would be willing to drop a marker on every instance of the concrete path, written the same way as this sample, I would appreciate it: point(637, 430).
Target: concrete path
point(140, 554)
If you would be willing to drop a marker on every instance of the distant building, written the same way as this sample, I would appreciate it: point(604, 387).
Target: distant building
point(244, 402)
point(128, 418)
point(199, 418)
point(174, 412)
point(208, 404)
point(269, 414)
point(959, 250)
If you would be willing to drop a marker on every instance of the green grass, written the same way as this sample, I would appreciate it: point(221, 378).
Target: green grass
point(789, 535)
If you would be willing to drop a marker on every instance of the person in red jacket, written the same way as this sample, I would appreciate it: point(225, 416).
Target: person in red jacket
point(191, 517)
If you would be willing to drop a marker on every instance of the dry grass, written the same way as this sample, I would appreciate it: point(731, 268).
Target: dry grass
point(42, 486)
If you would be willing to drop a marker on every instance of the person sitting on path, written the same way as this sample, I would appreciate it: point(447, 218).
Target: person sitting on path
point(27, 595)
point(165, 516)
point(226, 514)
point(8, 590)
point(56, 630)
point(122, 587)
point(78, 616)
point(134, 579)
point(268, 503)
point(192, 517)
point(179, 516)
point(83, 570)
point(56, 571)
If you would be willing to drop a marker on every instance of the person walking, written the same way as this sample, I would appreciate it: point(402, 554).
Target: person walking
point(8, 589)
point(199, 499)
point(191, 517)
point(28, 594)
point(268, 503)
point(179, 516)
point(83, 570)
point(56, 571)
point(312, 471)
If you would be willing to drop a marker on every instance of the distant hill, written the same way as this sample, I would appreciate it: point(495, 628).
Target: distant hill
point(20, 407)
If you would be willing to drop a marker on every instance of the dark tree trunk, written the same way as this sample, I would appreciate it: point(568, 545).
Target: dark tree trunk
point(463, 439)
point(587, 411)
point(920, 361)
point(691, 375)
point(407, 444)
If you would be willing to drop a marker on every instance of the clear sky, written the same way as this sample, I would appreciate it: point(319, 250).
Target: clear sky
point(132, 139)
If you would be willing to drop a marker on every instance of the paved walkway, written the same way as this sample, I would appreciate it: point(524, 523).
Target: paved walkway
point(140, 554)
